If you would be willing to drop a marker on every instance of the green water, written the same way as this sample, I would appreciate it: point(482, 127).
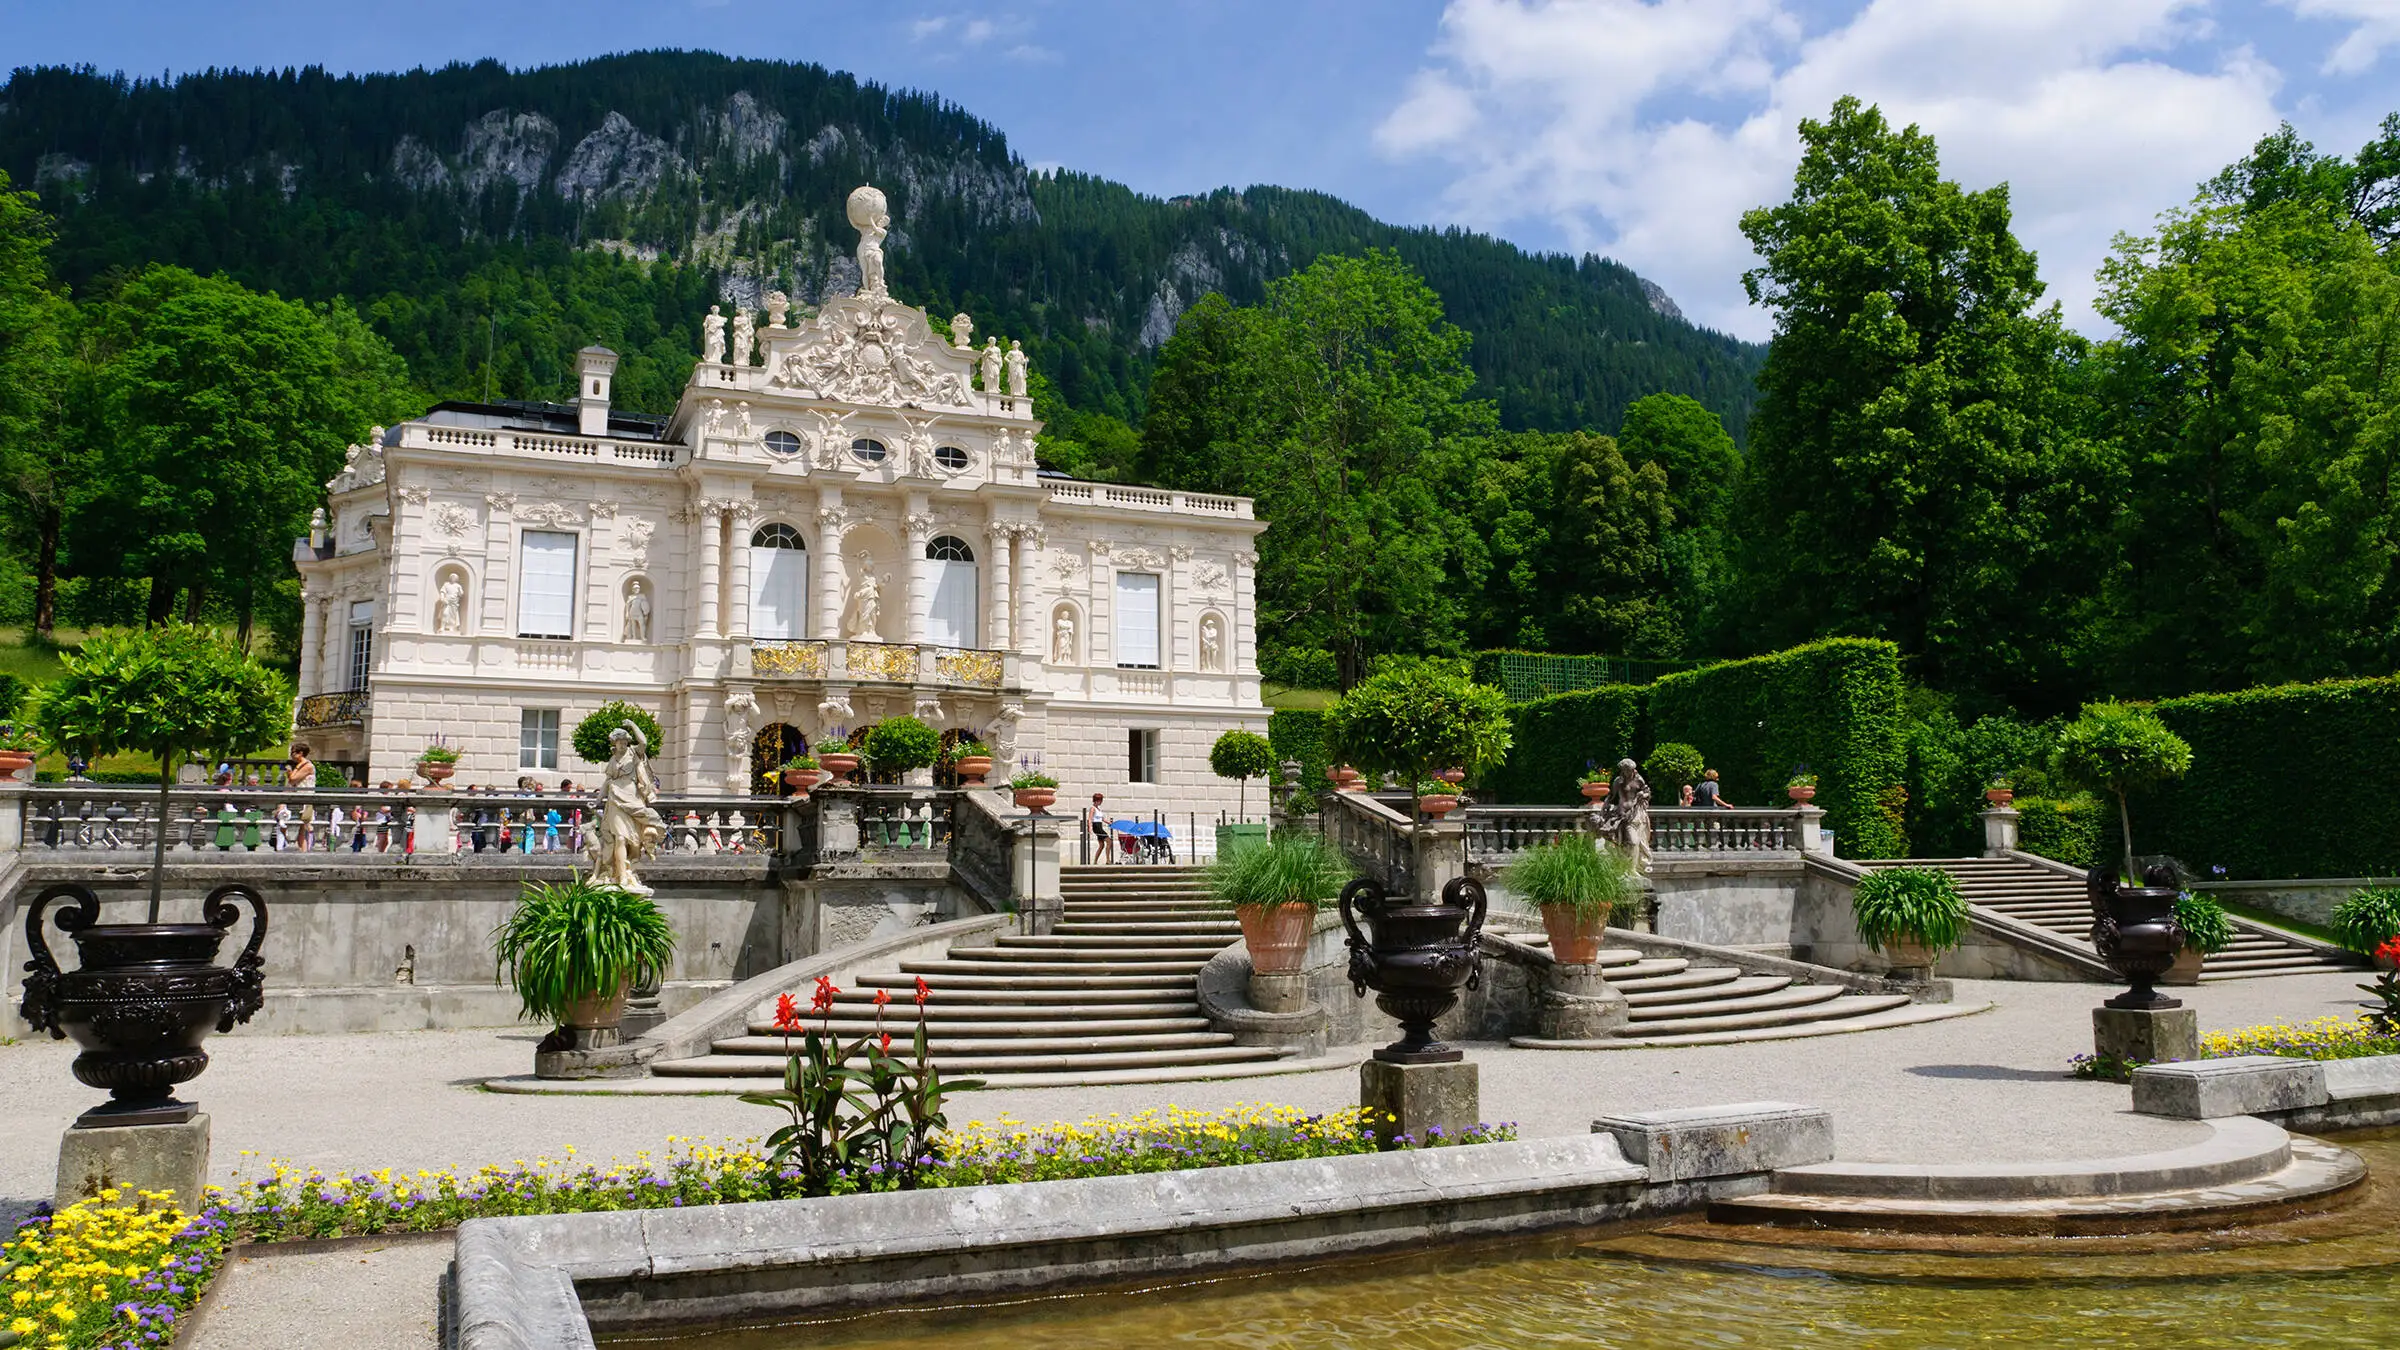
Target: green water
point(2329, 1282)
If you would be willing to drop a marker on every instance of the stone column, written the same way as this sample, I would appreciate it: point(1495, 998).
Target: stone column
point(712, 568)
point(831, 521)
point(737, 593)
point(917, 569)
point(1999, 831)
point(1812, 829)
point(312, 644)
point(1000, 613)
point(1441, 856)
point(601, 623)
point(1030, 632)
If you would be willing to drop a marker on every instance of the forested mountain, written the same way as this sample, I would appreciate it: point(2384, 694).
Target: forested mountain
point(488, 222)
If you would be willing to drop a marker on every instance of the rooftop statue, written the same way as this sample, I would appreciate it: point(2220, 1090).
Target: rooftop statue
point(873, 218)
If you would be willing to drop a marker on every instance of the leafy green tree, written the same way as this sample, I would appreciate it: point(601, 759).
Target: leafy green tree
point(1914, 468)
point(2255, 395)
point(591, 734)
point(2115, 748)
point(1418, 717)
point(1683, 438)
point(1190, 429)
point(38, 466)
point(163, 692)
point(1608, 561)
point(1241, 755)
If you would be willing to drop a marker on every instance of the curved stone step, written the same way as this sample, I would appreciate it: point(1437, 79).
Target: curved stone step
point(1733, 986)
point(948, 993)
point(1108, 942)
point(1131, 928)
point(1004, 979)
point(1687, 977)
point(969, 963)
point(1861, 1015)
point(770, 1067)
point(1802, 1003)
point(1014, 1023)
point(944, 1049)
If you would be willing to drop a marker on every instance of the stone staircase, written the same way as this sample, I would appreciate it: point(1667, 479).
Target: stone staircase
point(2055, 900)
point(1110, 997)
point(1673, 1001)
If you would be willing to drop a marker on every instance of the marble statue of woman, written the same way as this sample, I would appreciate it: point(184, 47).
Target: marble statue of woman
point(991, 365)
point(745, 336)
point(1062, 642)
point(1212, 645)
point(712, 336)
point(866, 609)
point(872, 218)
point(1016, 370)
point(1629, 794)
point(450, 607)
point(637, 615)
point(629, 829)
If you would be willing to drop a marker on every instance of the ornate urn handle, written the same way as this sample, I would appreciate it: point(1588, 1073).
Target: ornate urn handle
point(1470, 938)
point(249, 991)
point(40, 1006)
point(1360, 894)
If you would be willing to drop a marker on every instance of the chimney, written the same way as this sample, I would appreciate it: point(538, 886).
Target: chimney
point(594, 366)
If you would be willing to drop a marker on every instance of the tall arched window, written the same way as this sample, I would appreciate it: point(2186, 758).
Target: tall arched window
point(778, 584)
point(951, 622)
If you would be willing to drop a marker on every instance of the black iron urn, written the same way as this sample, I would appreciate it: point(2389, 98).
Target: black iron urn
point(144, 998)
point(1418, 958)
point(2134, 930)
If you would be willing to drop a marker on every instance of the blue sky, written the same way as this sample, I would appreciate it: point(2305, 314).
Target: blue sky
point(1637, 128)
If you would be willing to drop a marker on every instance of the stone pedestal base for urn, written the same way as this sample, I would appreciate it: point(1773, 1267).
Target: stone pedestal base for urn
point(592, 1022)
point(1579, 1004)
point(1418, 958)
point(143, 998)
point(2134, 930)
point(1277, 939)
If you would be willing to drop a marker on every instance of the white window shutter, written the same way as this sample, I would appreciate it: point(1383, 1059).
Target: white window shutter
point(952, 620)
point(778, 593)
point(1137, 619)
point(546, 585)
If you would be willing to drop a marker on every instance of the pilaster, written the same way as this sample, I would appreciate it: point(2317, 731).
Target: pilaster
point(1000, 611)
point(916, 567)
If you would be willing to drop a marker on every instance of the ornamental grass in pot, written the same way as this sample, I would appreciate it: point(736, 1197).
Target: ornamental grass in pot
point(1275, 889)
point(571, 949)
point(2206, 931)
point(1910, 914)
point(1577, 883)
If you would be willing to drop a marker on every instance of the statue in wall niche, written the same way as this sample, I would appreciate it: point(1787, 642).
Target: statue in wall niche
point(778, 305)
point(745, 336)
point(712, 337)
point(629, 829)
point(991, 365)
point(962, 332)
point(1015, 361)
point(637, 613)
point(1062, 639)
point(741, 728)
point(1623, 819)
point(865, 618)
point(872, 218)
point(450, 605)
point(1212, 644)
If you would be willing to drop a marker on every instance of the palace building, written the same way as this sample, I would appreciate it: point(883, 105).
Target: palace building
point(841, 521)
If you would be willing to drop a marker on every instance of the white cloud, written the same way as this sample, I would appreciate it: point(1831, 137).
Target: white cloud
point(1644, 128)
point(2376, 25)
point(963, 31)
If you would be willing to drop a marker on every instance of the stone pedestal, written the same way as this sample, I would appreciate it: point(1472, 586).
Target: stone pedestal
point(1441, 855)
point(1033, 877)
point(2146, 1035)
point(131, 1158)
point(1999, 830)
point(1416, 1099)
point(1279, 993)
point(436, 825)
point(1577, 1004)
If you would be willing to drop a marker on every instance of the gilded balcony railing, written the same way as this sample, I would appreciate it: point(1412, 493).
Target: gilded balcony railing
point(332, 710)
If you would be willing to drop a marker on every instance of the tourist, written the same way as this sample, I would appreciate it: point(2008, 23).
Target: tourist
point(1710, 798)
point(281, 839)
point(1686, 800)
point(300, 775)
point(1105, 850)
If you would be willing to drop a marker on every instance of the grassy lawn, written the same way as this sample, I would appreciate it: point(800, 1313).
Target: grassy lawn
point(1276, 696)
point(31, 661)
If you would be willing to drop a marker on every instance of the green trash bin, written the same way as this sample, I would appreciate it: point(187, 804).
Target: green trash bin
point(1230, 837)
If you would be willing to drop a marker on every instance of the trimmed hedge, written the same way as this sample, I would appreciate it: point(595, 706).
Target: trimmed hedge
point(2063, 829)
point(1299, 733)
point(1834, 706)
point(2286, 781)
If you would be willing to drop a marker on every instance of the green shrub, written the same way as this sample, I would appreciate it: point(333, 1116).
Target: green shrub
point(12, 694)
point(1298, 667)
point(2368, 919)
point(1290, 869)
point(1031, 779)
point(591, 734)
point(1299, 734)
point(2063, 829)
point(1950, 765)
point(1670, 768)
point(572, 940)
point(1570, 871)
point(899, 745)
point(1919, 903)
point(1417, 719)
point(1558, 738)
point(2206, 930)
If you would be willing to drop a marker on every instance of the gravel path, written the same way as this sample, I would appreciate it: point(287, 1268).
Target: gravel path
point(1988, 1087)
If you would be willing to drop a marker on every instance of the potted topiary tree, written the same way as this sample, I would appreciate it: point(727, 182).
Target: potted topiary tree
point(1242, 756)
point(1416, 718)
point(146, 995)
point(592, 733)
point(902, 746)
point(1672, 767)
point(1577, 884)
point(1275, 889)
point(2115, 748)
point(2206, 931)
point(572, 949)
point(1910, 914)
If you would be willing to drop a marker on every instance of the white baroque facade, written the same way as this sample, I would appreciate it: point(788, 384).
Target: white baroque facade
point(840, 522)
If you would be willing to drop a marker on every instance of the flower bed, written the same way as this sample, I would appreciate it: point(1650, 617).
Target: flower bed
point(104, 1273)
point(2330, 1037)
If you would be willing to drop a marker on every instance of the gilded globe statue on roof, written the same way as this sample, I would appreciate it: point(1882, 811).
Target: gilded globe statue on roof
point(872, 217)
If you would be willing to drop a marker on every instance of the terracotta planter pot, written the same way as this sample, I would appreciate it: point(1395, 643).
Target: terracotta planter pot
point(1909, 954)
point(1574, 938)
point(13, 763)
point(1277, 935)
point(841, 765)
point(803, 779)
point(1437, 807)
point(2186, 969)
point(1036, 800)
point(1595, 792)
point(1347, 779)
point(596, 1012)
point(1802, 794)
point(436, 774)
point(972, 768)
point(1999, 796)
point(1453, 777)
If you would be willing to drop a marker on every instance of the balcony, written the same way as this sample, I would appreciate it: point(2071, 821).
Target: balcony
point(880, 662)
point(348, 708)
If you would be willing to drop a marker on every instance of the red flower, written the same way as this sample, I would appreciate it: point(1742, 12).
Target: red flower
point(787, 1014)
point(882, 996)
point(922, 991)
point(887, 1042)
point(2389, 951)
point(823, 1002)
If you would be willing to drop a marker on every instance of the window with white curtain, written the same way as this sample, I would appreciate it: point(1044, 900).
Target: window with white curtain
point(778, 584)
point(537, 738)
point(362, 642)
point(1137, 620)
point(546, 584)
point(951, 621)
